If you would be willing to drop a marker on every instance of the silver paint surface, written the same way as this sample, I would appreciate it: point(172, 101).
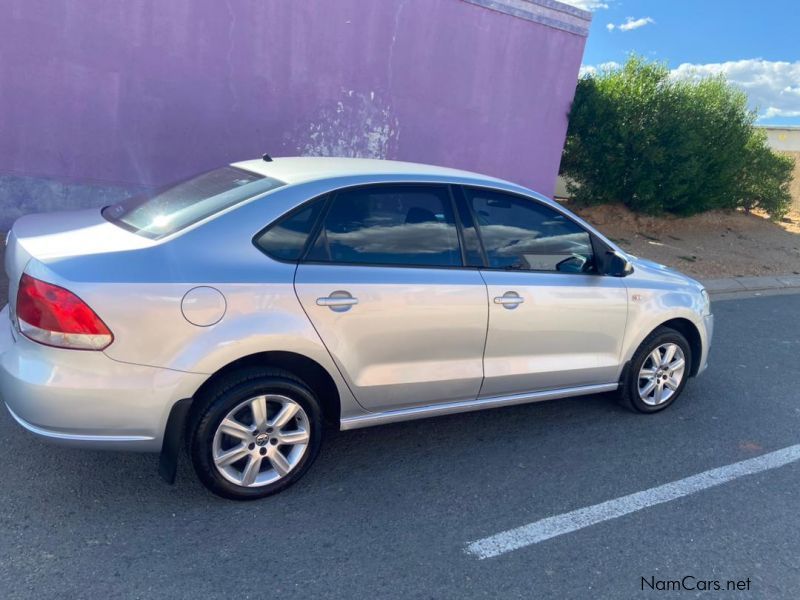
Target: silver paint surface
point(418, 342)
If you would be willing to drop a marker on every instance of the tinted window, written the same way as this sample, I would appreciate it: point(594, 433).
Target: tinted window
point(286, 239)
point(522, 234)
point(390, 225)
point(171, 209)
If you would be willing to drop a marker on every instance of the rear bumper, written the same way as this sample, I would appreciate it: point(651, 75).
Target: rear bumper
point(84, 398)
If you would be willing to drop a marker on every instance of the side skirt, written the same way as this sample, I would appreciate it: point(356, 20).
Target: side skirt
point(435, 410)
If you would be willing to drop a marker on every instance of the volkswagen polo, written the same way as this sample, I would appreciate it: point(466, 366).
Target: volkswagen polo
point(238, 312)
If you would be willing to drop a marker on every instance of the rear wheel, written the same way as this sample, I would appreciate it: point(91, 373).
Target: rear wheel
point(658, 371)
point(254, 433)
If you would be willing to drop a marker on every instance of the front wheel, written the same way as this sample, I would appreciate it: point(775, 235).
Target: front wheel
point(254, 433)
point(658, 371)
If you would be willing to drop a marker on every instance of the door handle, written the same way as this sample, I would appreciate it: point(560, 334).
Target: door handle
point(331, 301)
point(509, 300)
point(338, 301)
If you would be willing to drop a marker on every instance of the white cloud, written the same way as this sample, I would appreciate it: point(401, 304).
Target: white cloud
point(773, 87)
point(631, 24)
point(593, 70)
point(587, 4)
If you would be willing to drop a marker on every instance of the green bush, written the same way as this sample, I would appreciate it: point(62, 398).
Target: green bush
point(766, 178)
point(661, 145)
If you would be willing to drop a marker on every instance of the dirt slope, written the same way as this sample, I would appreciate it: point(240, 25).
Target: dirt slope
point(714, 244)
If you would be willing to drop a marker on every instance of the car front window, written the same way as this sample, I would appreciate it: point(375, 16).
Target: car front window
point(522, 234)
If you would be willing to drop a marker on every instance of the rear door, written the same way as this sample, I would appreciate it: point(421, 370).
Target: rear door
point(385, 286)
point(554, 322)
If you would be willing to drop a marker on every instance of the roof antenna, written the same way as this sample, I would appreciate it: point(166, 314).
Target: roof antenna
point(266, 158)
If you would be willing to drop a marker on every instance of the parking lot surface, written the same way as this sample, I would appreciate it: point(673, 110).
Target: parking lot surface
point(390, 511)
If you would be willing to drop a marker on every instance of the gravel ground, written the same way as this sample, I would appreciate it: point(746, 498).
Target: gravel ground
point(710, 245)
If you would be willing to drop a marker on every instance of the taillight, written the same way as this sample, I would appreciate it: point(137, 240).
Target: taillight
point(51, 315)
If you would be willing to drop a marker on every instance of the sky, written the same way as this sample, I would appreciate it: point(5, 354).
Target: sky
point(755, 43)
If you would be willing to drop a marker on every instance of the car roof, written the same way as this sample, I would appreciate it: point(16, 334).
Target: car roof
point(302, 169)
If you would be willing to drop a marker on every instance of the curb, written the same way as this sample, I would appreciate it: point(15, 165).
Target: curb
point(732, 285)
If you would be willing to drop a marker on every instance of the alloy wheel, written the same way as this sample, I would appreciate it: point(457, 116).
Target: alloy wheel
point(661, 374)
point(261, 440)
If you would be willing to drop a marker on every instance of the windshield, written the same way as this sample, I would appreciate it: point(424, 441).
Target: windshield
point(171, 209)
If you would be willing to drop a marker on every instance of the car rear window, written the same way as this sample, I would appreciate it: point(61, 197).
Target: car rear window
point(175, 207)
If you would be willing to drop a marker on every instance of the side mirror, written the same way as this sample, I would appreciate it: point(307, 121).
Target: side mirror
point(617, 265)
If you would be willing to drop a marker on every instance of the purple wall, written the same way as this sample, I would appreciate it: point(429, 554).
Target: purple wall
point(139, 92)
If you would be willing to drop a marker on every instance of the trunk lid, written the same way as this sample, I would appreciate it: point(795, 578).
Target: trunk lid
point(52, 236)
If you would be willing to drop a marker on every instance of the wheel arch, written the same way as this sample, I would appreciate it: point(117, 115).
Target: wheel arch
point(692, 334)
point(310, 371)
point(684, 322)
point(307, 369)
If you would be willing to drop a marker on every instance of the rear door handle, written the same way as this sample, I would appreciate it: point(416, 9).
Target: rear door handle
point(338, 301)
point(509, 300)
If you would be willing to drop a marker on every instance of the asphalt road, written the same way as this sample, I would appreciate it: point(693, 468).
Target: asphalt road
point(387, 512)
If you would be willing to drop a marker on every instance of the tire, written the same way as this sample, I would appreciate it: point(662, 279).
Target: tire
point(633, 385)
point(254, 443)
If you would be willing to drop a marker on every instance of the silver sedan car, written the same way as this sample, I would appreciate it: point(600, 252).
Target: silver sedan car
point(241, 310)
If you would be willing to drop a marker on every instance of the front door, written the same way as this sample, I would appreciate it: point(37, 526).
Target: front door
point(553, 321)
point(385, 287)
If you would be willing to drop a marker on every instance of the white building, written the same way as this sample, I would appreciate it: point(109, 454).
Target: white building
point(785, 138)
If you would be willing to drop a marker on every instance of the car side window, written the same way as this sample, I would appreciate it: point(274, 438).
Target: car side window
point(404, 225)
point(286, 238)
point(519, 233)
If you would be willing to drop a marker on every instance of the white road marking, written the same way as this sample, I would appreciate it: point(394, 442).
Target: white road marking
point(551, 527)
